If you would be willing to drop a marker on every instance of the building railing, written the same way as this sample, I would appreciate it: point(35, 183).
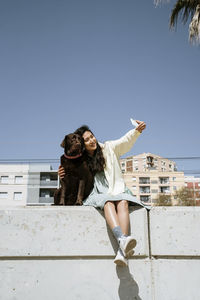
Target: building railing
point(49, 183)
point(46, 200)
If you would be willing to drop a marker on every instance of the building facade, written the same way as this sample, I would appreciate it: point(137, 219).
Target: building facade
point(193, 183)
point(27, 184)
point(148, 175)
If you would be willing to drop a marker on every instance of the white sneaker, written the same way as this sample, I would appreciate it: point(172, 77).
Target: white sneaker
point(126, 244)
point(120, 260)
point(130, 253)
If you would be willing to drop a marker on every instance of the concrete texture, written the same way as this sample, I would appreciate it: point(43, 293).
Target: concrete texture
point(176, 279)
point(67, 253)
point(175, 231)
point(74, 279)
point(64, 231)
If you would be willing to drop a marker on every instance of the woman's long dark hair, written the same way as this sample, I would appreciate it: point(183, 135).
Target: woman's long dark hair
point(96, 163)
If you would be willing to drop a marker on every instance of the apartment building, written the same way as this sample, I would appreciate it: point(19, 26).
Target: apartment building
point(193, 183)
point(148, 175)
point(27, 184)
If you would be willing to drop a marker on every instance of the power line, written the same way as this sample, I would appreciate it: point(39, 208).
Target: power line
point(57, 160)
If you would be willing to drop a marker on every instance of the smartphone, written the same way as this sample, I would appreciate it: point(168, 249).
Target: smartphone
point(134, 123)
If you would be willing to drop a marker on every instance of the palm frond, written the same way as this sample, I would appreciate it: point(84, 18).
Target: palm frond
point(157, 2)
point(184, 7)
point(194, 27)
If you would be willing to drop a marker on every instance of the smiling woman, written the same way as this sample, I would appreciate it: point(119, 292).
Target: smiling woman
point(109, 192)
point(90, 142)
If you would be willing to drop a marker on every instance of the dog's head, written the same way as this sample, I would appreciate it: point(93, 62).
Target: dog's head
point(73, 144)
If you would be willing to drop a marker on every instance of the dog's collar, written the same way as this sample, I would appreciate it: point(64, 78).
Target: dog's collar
point(73, 157)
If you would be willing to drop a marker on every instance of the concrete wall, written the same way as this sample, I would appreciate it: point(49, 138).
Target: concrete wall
point(67, 253)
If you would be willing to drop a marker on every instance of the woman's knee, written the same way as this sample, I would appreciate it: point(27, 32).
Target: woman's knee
point(109, 204)
point(122, 204)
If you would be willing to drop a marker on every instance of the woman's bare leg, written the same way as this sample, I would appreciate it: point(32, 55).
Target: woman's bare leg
point(111, 214)
point(123, 216)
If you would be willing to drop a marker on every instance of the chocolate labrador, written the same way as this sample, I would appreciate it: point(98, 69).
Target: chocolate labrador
point(78, 181)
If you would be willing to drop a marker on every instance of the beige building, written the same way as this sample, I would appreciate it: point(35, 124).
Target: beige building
point(148, 175)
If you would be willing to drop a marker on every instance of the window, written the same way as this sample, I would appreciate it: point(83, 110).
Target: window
point(134, 178)
point(18, 179)
point(145, 198)
point(45, 194)
point(174, 188)
point(17, 196)
point(174, 178)
point(144, 180)
point(165, 189)
point(45, 177)
point(3, 195)
point(4, 179)
point(164, 180)
point(134, 188)
point(144, 189)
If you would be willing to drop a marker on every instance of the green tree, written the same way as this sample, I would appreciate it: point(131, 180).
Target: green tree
point(185, 197)
point(163, 200)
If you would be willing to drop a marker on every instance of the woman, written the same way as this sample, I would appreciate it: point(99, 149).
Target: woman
point(109, 192)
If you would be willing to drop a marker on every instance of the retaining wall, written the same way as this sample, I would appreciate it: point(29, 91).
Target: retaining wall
point(67, 253)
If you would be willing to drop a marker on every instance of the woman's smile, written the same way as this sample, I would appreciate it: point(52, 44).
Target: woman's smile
point(90, 142)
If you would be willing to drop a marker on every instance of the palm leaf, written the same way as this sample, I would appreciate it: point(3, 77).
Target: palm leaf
point(194, 28)
point(184, 7)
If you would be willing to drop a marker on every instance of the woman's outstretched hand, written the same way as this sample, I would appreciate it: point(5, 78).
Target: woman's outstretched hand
point(141, 126)
point(61, 172)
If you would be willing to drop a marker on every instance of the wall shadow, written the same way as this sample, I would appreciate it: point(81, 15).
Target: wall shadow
point(128, 287)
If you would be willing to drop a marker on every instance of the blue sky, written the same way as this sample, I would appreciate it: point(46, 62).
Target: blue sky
point(64, 63)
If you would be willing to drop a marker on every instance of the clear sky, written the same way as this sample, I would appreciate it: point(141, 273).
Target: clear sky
point(64, 63)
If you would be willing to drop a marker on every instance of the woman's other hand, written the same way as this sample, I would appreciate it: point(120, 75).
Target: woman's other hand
point(141, 126)
point(61, 172)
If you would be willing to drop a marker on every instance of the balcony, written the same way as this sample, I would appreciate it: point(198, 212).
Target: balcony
point(46, 200)
point(144, 180)
point(48, 182)
point(145, 190)
point(165, 189)
point(164, 180)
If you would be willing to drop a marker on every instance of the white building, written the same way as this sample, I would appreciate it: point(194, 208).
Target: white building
point(27, 183)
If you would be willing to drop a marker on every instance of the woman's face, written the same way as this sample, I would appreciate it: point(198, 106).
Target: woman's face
point(90, 142)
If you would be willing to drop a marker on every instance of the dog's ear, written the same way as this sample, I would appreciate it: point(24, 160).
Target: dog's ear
point(63, 143)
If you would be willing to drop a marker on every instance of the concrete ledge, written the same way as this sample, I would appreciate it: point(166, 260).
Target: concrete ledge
point(65, 231)
point(175, 231)
point(67, 253)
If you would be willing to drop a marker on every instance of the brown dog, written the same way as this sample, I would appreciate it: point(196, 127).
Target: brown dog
point(78, 181)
